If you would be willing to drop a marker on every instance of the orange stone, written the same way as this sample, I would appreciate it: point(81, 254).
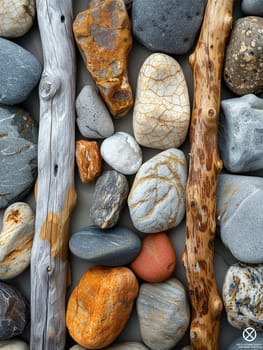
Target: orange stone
point(103, 36)
point(100, 305)
point(88, 159)
point(157, 259)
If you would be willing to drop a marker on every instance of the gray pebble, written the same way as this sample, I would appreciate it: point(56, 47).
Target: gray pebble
point(241, 133)
point(240, 343)
point(169, 26)
point(243, 296)
point(127, 346)
point(239, 212)
point(109, 198)
point(13, 344)
point(252, 7)
point(112, 247)
point(13, 312)
point(243, 70)
point(19, 72)
point(18, 154)
point(163, 313)
point(93, 119)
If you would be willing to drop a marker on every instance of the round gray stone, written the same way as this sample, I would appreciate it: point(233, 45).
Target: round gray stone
point(13, 312)
point(169, 26)
point(93, 119)
point(129, 345)
point(112, 247)
point(240, 343)
point(18, 154)
point(252, 7)
point(19, 72)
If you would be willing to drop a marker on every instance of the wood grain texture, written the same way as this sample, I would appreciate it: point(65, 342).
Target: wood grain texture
point(56, 195)
point(204, 168)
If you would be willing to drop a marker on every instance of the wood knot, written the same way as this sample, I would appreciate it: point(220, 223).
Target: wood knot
point(211, 112)
point(47, 88)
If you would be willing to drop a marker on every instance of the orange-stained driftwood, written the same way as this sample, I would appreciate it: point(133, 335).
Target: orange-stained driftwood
point(204, 168)
point(55, 195)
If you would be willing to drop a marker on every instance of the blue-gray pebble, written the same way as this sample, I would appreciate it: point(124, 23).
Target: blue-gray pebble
point(169, 26)
point(18, 154)
point(14, 313)
point(112, 247)
point(241, 343)
point(19, 72)
point(252, 7)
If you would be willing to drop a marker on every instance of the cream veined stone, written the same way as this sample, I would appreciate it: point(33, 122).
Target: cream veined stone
point(16, 17)
point(162, 110)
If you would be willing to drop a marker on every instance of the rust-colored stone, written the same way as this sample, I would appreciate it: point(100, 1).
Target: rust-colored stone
point(100, 305)
point(88, 159)
point(103, 35)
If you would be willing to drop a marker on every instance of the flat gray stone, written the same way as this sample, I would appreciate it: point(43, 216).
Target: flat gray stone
point(243, 296)
point(109, 198)
point(129, 345)
point(19, 72)
point(18, 154)
point(240, 343)
point(163, 313)
point(169, 26)
point(112, 247)
point(252, 7)
point(240, 219)
point(241, 133)
point(93, 119)
point(14, 313)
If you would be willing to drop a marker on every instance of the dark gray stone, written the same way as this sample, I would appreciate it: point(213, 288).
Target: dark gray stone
point(18, 154)
point(243, 70)
point(112, 247)
point(241, 133)
point(240, 219)
point(252, 7)
point(129, 345)
point(169, 26)
point(19, 72)
point(14, 314)
point(240, 343)
point(109, 198)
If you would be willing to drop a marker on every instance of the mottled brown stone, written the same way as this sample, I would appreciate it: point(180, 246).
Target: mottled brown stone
point(88, 159)
point(103, 36)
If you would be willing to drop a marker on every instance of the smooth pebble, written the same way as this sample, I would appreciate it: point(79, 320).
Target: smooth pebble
point(240, 343)
point(122, 153)
point(252, 7)
point(13, 344)
point(162, 111)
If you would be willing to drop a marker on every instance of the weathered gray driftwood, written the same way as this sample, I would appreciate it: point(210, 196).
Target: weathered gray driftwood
point(55, 190)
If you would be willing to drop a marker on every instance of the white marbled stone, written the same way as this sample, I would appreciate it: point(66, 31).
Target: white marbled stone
point(157, 197)
point(163, 313)
point(162, 111)
point(243, 296)
point(93, 118)
point(122, 153)
point(16, 239)
point(13, 344)
point(16, 17)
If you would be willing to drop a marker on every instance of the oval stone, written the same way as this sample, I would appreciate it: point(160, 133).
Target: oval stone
point(157, 260)
point(100, 306)
point(252, 7)
point(16, 17)
point(18, 154)
point(129, 345)
point(13, 312)
point(93, 119)
point(157, 197)
point(169, 25)
point(162, 110)
point(163, 313)
point(241, 343)
point(16, 239)
point(243, 296)
point(122, 153)
point(109, 198)
point(19, 71)
point(13, 344)
point(112, 247)
point(243, 71)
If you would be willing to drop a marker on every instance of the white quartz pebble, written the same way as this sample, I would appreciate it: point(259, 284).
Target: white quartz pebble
point(162, 110)
point(16, 17)
point(13, 344)
point(122, 153)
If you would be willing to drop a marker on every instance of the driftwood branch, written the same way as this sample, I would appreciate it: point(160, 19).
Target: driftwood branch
point(204, 168)
point(55, 189)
